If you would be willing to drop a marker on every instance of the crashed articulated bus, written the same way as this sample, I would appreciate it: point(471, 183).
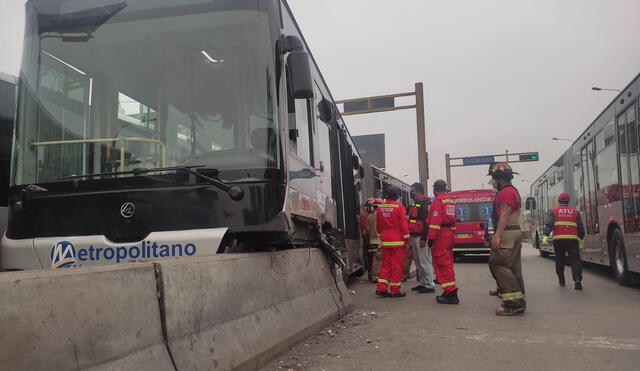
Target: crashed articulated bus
point(153, 128)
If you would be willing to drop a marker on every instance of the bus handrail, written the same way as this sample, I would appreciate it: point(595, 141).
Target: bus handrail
point(162, 146)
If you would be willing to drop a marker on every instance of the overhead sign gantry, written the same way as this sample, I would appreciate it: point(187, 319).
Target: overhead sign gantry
point(487, 160)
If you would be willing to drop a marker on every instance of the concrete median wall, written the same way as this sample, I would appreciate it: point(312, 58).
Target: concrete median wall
point(104, 318)
point(239, 311)
point(223, 312)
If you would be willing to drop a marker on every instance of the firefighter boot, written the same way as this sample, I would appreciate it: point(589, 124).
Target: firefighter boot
point(450, 298)
point(382, 294)
point(578, 285)
point(511, 308)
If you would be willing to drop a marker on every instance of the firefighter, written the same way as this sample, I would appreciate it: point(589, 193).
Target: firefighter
point(506, 244)
point(441, 237)
point(418, 229)
point(374, 249)
point(366, 211)
point(566, 224)
point(393, 226)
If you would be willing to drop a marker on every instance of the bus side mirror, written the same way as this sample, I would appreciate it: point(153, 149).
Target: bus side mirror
point(530, 204)
point(299, 75)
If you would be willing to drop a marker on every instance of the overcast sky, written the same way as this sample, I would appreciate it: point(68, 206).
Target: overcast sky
point(498, 74)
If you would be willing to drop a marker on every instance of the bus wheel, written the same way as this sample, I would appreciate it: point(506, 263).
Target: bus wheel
point(618, 258)
point(544, 254)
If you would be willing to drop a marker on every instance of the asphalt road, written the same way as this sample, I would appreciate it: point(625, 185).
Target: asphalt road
point(563, 329)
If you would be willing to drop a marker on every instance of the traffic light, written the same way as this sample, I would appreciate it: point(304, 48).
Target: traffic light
point(533, 156)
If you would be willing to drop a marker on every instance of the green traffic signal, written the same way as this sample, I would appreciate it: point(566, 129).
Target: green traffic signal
point(529, 157)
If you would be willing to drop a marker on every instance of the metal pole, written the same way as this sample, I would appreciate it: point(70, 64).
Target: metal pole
point(447, 161)
point(422, 141)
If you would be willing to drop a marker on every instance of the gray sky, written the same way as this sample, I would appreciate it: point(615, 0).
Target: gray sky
point(498, 74)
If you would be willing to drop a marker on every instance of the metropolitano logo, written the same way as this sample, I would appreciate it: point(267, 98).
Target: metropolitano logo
point(63, 255)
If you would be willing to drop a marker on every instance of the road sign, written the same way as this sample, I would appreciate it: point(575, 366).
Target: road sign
point(478, 160)
point(526, 157)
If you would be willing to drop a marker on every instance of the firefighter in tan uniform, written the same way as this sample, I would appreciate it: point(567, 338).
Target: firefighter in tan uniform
point(506, 245)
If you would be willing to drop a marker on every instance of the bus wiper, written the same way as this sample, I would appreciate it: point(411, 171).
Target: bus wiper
point(236, 193)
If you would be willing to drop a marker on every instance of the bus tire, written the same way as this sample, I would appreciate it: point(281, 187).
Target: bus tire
point(618, 257)
point(542, 253)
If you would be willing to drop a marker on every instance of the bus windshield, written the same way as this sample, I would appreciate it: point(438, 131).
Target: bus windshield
point(114, 85)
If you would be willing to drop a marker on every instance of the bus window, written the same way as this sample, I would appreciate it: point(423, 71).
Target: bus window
point(607, 169)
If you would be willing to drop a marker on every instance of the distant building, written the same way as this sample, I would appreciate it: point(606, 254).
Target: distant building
point(372, 149)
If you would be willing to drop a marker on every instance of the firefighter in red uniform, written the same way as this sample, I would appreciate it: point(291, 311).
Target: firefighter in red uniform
point(393, 226)
point(442, 223)
point(568, 231)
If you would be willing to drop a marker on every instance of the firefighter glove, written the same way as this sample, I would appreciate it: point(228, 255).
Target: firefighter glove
point(581, 243)
point(545, 240)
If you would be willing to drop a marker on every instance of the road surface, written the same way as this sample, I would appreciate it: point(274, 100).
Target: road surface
point(563, 329)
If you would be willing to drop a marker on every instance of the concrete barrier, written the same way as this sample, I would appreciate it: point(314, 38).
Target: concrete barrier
point(104, 318)
point(239, 311)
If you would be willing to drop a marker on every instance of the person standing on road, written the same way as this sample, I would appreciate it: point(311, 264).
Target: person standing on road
point(568, 232)
point(364, 233)
point(418, 229)
point(442, 223)
point(374, 249)
point(394, 233)
point(506, 244)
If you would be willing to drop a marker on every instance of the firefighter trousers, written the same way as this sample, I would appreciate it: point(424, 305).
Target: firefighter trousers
point(442, 253)
point(561, 248)
point(406, 268)
point(390, 276)
point(375, 257)
point(506, 267)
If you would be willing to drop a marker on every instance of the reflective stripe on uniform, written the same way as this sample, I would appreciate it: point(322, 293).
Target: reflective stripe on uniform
point(406, 236)
point(510, 296)
point(448, 202)
point(447, 284)
point(388, 205)
point(565, 237)
point(434, 226)
point(395, 284)
point(418, 205)
point(380, 280)
point(394, 243)
point(569, 224)
point(412, 221)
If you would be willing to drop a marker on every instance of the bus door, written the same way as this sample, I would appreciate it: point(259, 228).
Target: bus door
point(628, 149)
point(630, 179)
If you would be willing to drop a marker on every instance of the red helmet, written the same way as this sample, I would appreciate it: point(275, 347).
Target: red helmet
point(378, 201)
point(564, 198)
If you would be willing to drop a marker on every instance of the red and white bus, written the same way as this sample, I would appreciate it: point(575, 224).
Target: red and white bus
point(474, 208)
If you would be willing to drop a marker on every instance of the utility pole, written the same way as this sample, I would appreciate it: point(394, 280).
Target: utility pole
point(423, 169)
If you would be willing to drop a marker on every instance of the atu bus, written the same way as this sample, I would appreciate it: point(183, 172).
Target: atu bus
point(474, 208)
point(601, 172)
point(150, 129)
point(7, 113)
